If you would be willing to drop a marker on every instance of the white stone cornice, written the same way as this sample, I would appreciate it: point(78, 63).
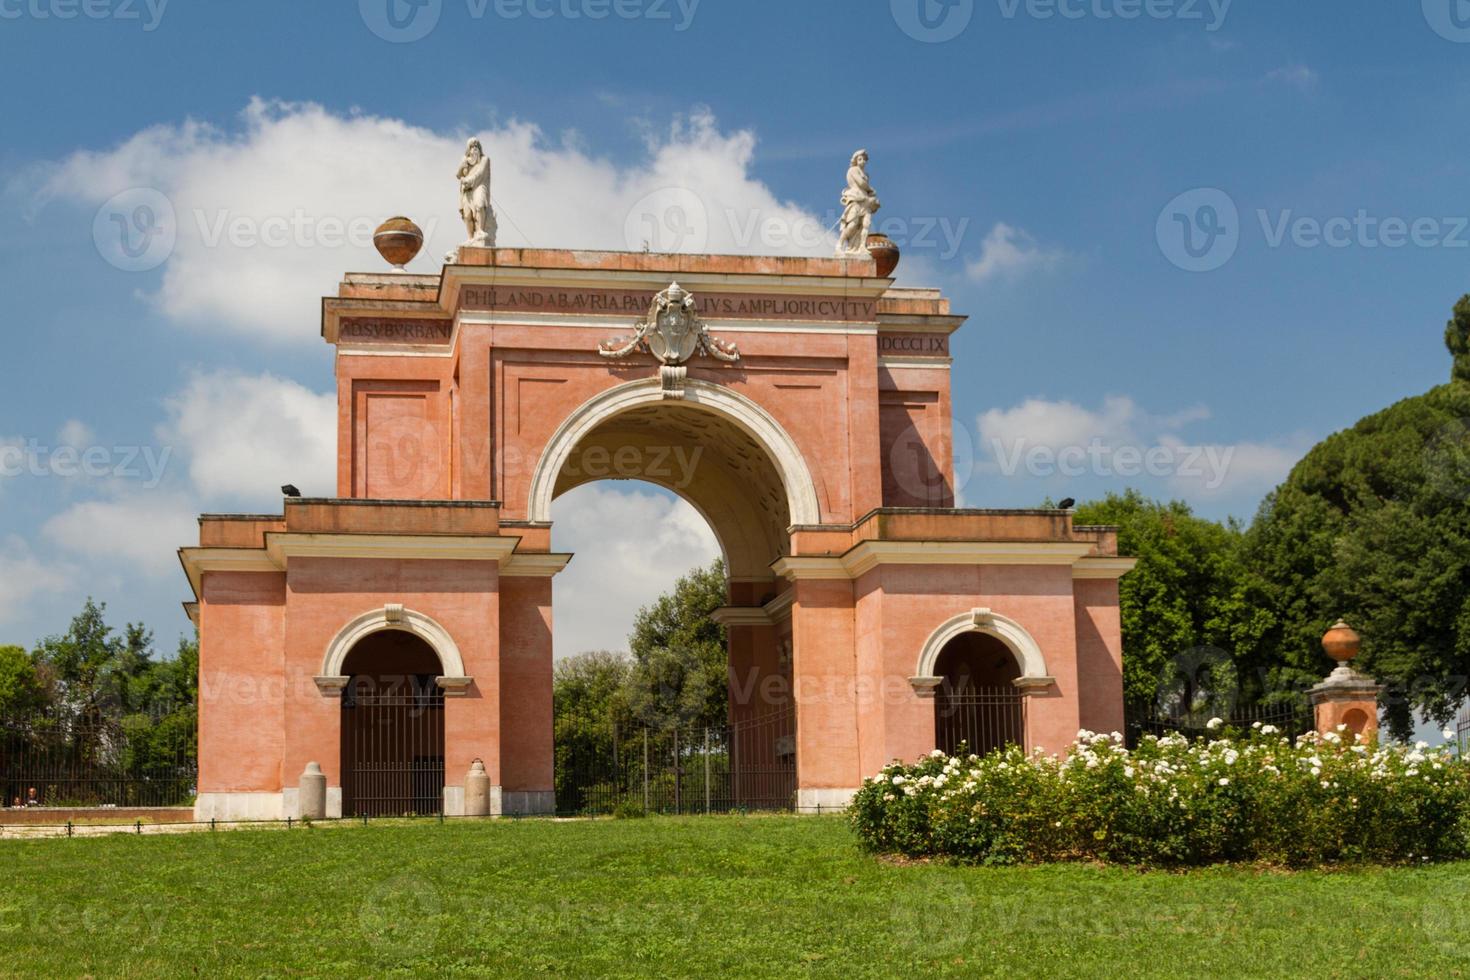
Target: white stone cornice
point(916, 363)
point(534, 565)
point(779, 608)
point(811, 568)
point(633, 280)
point(1103, 568)
point(920, 322)
point(197, 561)
point(282, 546)
point(741, 616)
point(870, 554)
point(604, 322)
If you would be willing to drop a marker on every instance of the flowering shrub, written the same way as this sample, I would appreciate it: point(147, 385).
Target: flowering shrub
point(1241, 796)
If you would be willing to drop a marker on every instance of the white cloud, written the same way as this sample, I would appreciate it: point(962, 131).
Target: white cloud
point(1062, 445)
point(630, 545)
point(246, 435)
point(76, 434)
point(139, 529)
point(1009, 253)
point(1297, 76)
point(23, 577)
point(316, 174)
point(1249, 468)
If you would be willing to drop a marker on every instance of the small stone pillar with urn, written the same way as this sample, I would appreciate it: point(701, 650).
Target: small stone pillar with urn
point(1346, 697)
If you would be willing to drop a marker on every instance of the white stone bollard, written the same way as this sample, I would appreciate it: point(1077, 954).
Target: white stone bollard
point(477, 791)
point(313, 793)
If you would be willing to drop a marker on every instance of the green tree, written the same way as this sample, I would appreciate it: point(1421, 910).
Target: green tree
point(93, 668)
point(22, 688)
point(1373, 525)
point(591, 685)
point(1457, 339)
point(680, 674)
point(1188, 630)
point(163, 724)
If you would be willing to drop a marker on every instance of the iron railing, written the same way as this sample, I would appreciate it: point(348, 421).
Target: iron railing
point(981, 719)
point(1292, 718)
point(393, 748)
point(92, 763)
point(604, 766)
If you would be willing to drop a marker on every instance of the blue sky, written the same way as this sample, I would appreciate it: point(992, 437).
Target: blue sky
point(1042, 169)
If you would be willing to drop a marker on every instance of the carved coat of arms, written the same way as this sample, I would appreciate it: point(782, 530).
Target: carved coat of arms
point(672, 332)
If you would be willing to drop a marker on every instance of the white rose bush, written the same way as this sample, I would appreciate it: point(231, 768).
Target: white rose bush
point(1237, 796)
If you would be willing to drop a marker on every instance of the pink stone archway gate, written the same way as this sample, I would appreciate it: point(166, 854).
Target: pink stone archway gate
point(810, 400)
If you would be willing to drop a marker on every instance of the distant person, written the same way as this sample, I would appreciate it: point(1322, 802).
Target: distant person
point(31, 798)
point(16, 804)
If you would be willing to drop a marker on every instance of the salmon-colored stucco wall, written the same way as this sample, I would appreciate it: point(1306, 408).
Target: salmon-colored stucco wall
point(824, 676)
point(325, 594)
point(1099, 655)
point(912, 601)
point(526, 750)
point(241, 698)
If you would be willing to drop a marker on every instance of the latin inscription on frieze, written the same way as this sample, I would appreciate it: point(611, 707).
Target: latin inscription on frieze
point(710, 305)
point(375, 330)
point(913, 344)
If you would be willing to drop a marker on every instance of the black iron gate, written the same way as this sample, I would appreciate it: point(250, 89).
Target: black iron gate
point(393, 749)
point(605, 766)
point(982, 719)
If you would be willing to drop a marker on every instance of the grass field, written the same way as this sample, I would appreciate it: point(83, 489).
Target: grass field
point(702, 896)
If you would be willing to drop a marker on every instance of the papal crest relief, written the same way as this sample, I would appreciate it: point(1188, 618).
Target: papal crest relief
point(673, 333)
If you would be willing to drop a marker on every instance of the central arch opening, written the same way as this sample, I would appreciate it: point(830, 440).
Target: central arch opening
point(977, 705)
point(392, 728)
point(719, 489)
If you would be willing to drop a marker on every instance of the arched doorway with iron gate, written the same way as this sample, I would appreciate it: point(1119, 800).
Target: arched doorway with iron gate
point(392, 728)
point(977, 704)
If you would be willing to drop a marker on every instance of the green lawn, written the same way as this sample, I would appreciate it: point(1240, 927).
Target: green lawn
point(701, 896)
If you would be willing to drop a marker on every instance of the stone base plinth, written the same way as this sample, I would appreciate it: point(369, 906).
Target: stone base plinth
point(823, 801)
point(1346, 698)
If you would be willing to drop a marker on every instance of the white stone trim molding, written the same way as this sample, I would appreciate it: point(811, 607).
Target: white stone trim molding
point(394, 616)
point(868, 555)
point(801, 490)
point(1023, 646)
point(728, 616)
point(1103, 567)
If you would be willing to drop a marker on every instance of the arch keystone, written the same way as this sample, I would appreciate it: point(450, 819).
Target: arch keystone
point(1023, 646)
point(394, 616)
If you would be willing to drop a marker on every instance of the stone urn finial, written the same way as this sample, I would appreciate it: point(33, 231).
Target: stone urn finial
point(398, 240)
point(1342, 643)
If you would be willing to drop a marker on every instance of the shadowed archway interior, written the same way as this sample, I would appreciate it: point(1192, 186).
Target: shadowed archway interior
point(976, 705)
point(392, 727)
point(703, 457)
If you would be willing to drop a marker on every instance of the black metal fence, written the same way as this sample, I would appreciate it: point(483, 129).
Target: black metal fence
point(1292, 718)
point(604, 766)
point(70, 763)
point(393, 752)
point(982, 719)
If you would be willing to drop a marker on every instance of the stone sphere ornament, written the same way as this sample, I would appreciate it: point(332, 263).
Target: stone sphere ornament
point(398, 240)
point(884, 252)
point(1342, 642)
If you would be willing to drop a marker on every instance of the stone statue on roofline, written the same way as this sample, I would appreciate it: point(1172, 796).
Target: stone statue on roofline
point(859, 204)
point(474, 196)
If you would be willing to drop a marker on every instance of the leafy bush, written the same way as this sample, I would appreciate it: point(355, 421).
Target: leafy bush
point(1241, 796)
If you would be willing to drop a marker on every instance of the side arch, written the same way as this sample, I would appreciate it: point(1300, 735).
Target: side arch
point(1023, 647)
point(796, 477)
point(393, 617)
